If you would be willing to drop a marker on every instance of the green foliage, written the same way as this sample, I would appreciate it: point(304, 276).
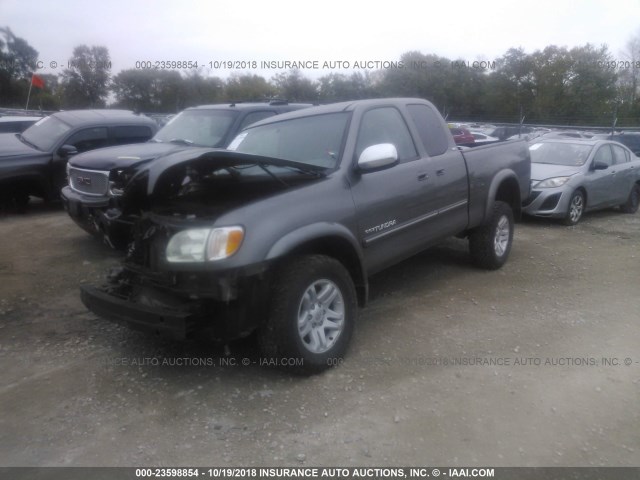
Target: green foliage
point(17, 62)
point(85, 83)
point(292, 86)
point(337, 87)
point(554, 85)
point(246, 87)
point(628, 86)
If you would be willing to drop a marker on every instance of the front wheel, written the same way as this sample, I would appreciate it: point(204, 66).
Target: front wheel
point(312, 315)
point(576, 208)
point(490, 243)
point(631, 205)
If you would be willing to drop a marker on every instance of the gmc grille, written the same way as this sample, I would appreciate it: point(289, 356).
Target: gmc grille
point(89, 182)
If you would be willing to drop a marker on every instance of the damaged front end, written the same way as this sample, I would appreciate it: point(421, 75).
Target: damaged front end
point(180, 304)
point(180, 277)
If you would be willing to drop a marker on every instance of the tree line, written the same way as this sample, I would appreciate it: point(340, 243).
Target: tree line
point(583, 85)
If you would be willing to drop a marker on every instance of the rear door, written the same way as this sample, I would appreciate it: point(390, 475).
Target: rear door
point(601, 184)
point(626, 172)
point(446, 188)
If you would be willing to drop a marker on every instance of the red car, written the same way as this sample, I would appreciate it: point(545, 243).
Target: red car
point(462, 136)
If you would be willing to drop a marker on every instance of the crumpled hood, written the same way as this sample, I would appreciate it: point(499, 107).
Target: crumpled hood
point(124, 156)
point(11, 146)
point(542, 171)
point(206, 183)
point(156, 172)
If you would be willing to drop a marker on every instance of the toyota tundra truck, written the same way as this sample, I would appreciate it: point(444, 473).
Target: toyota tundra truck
point(279, 234)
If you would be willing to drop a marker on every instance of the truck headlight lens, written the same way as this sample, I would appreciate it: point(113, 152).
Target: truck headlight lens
point(553, 182)
point(202, 244)
point(224, 242)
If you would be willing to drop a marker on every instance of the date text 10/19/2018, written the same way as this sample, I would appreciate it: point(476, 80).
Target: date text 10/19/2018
point(311, 64)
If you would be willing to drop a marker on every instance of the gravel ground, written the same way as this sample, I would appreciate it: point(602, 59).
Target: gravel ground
point(449, 365)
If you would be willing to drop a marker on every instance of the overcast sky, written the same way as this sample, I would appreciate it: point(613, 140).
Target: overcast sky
point(326, 30)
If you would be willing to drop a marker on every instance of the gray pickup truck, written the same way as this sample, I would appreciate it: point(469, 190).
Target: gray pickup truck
point(279, 234)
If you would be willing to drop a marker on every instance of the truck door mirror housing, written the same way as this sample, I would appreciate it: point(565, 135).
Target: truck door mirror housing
point(66, 151)
point(379, 156)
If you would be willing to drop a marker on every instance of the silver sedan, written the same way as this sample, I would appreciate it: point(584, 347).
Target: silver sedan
point(570, 177)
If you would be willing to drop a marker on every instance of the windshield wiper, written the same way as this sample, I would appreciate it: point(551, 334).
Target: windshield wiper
point(307, 171)
point(272, 175)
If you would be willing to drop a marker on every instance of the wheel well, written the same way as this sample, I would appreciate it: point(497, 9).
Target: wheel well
point(584, 192)
point(343, 251)
point(509, 192)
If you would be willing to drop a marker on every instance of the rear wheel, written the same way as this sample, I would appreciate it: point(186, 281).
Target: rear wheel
point(490, 244)
point(576, 208)
point(631, 205)
point(312, 315)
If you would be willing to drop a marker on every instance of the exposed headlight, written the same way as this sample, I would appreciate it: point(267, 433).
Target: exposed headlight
point(203, 244)
point(119, 180)
point(553, 182)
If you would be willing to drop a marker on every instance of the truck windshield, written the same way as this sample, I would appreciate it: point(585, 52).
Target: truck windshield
point(205, 128)
point(570, 154)
point(314, 140)
point(45, 133)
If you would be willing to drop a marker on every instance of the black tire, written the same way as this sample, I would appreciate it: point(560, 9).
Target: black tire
point(576, 209)
point(281, 340)
point(632, 203)
point(490, 243)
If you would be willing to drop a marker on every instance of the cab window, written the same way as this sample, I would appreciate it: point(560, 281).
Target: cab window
point(89, 139)
point(254, 117)
point(430, 129)
point(123, 135)
point(603, 155)
point(620, 154)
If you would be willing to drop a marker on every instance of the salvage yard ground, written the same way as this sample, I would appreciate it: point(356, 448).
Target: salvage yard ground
point(537, 364)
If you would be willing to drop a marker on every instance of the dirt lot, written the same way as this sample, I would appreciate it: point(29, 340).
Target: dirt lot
point(449, 365)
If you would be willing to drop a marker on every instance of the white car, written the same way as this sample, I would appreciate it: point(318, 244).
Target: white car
point(483, 137)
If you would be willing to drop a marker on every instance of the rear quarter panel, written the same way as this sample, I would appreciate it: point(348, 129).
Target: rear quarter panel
point(488, 167)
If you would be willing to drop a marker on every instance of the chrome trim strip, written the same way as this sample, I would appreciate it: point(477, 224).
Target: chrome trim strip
point(411, 223)
point(461, 203)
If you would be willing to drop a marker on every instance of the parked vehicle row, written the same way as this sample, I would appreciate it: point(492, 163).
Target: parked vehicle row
point(573, 171)
point(271, 217)
point(631, 140)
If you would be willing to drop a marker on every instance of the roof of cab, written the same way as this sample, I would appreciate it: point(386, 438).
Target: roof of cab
point(341, 107)
point(102, 117)
point(250, 105)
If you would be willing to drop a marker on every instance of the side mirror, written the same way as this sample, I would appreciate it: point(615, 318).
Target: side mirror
point(376, 157)
point(66, 151)
point(600, 166)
